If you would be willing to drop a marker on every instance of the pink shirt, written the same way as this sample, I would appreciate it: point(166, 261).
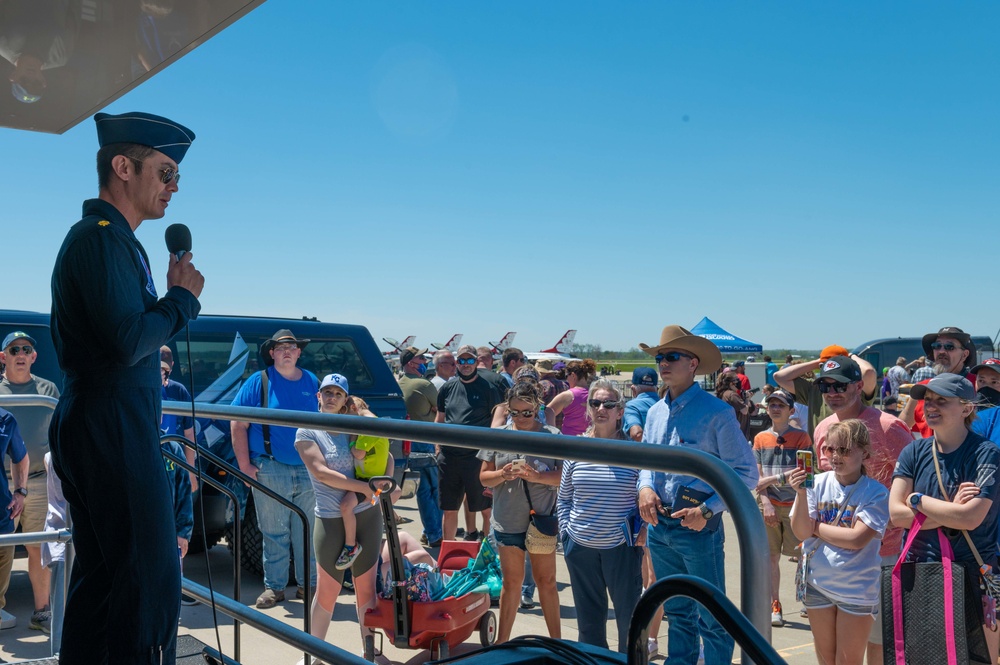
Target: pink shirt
point(889, 435)
point(575, 420)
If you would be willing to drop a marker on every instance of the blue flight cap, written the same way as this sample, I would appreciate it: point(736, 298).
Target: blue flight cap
point(156, 132)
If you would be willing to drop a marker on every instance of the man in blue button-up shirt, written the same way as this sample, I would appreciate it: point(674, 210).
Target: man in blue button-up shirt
point(690, 540)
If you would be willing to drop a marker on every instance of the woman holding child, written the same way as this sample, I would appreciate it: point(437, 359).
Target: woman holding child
point(331, 464)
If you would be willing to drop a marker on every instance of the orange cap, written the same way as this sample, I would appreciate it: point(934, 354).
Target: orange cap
point(834, 350)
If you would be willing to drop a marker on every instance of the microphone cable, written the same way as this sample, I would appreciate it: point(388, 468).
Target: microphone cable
point(201, 486)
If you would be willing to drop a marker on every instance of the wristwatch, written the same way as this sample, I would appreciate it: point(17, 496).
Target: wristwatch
point(23, 491)
point(706, 512)
point(915, 500)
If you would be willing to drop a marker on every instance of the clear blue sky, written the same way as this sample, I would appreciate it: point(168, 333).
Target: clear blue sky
point(790, 170)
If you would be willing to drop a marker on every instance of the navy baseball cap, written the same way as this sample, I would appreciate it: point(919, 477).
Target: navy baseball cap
point(840, 368)
point(946, 385)
point(16, 335)
point(783, 397)
point(644, 376)
point(22, 95)
point(153, 131)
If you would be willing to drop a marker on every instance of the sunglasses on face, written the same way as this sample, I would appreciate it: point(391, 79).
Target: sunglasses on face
point(466, 361)
point(671, 357)
point(835, 387)
point(524, 413)
point(14, 350)
point(607, 404)
point(947, 346)
point(285, 346)
point(167, 175)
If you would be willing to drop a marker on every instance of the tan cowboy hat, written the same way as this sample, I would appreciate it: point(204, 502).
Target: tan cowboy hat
point(676, 337)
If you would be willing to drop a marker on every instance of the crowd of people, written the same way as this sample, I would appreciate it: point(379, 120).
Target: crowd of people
point(877, 475)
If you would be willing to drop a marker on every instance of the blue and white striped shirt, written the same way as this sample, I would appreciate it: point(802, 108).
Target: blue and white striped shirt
point(594, 501)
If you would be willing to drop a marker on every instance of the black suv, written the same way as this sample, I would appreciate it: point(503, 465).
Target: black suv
point(223, 353)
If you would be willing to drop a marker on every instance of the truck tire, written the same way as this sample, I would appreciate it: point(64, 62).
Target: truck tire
point(252, 544)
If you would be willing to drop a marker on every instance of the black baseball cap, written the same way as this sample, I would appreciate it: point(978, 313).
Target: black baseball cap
point(841, 369)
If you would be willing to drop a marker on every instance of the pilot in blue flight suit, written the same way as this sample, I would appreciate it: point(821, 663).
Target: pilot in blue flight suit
point(108, 325)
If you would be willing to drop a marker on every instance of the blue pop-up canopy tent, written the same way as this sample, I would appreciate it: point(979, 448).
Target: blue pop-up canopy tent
point(726, 341)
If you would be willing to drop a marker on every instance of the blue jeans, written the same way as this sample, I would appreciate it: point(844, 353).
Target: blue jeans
point(280, 527)
point(57, 602)
point(427, 503)
point(675, 549)
point(528, 587)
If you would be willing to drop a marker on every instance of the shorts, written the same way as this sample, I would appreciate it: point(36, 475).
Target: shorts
point(875, 636)
point(328, 542)
point(36, 505)
point(505, 539)
point(458, 479)
point(780, 539)
point(817, 600)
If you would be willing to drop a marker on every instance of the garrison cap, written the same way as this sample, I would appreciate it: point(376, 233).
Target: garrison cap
point(153, 131)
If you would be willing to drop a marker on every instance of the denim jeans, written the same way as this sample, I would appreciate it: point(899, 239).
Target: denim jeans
point(280, 527)
point(57, 602)
point(427, 503)
point(675, 549)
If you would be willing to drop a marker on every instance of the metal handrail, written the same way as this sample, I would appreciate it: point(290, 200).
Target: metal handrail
point(305, 642)
point(755, 572)
point(173, 409)
point(750, 640)
point(237, 540)
point(36, 538)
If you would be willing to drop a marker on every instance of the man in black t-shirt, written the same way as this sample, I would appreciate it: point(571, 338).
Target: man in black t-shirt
point(468, 401)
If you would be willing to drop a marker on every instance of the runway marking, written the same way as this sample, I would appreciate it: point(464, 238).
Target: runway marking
point(790, 651)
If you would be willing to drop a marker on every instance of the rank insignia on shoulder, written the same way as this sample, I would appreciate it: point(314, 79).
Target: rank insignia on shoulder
point(104, 222)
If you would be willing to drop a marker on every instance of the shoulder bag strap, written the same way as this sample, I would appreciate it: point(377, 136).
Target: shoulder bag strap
point(263, 405)
point(937, 469)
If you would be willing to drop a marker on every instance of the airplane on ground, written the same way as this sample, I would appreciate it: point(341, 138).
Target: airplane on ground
point(397, 347)
point(561, 350)
point(451, 345)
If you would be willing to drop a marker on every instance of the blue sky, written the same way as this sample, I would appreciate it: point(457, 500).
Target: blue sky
point(788, 169)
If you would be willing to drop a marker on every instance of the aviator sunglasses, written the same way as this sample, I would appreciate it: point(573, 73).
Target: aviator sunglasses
point(947, 346)
point(14, 350)
point(671, 357)
point(167, 175)
point(607, 404)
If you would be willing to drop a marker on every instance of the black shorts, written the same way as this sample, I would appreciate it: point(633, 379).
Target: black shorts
point(458, 478)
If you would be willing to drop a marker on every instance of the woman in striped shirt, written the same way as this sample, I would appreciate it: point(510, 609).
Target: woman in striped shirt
point(595, 505)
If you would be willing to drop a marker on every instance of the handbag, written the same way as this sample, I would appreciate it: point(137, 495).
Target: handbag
point(930, 610)
point(547, 525)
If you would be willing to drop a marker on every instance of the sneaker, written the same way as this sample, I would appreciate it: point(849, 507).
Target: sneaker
point(423, 540)
point(777, 619)
point(300, 592)
point(348, 585)
point(188, 600)
point(400, 519)
point(41, 620)
point(527, 602)
point(347, 557)
point(652, 647)
point(804, 613)
point(459, 532)
point(473, 535)
point(435, 544)
point(7, 620)
point(269, 599)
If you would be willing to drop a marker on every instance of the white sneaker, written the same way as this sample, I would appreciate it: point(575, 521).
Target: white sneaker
point(652, 647)
point(7, 620)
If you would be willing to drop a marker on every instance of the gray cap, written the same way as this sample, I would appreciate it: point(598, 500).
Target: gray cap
point(946, 385)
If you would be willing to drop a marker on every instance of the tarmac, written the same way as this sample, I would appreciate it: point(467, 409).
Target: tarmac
point(793, 641)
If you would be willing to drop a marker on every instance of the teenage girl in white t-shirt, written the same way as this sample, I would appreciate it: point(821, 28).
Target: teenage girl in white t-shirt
point(841, 520)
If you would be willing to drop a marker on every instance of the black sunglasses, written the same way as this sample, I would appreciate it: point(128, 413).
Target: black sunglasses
point(671, 357)
point(14, 350)
point(524, 413)
point(947, 346)
point(780, 440)
point(836, 387)
point(607, 404)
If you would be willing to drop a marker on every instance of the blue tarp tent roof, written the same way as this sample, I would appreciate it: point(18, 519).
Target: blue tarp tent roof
point(726, 341)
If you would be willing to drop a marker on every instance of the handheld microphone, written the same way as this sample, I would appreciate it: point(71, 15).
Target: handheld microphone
point(178, 238)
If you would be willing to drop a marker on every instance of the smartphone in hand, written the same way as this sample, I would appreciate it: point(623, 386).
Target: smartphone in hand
point(804, 461)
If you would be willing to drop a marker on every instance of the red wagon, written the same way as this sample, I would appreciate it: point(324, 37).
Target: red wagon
point(436, 625)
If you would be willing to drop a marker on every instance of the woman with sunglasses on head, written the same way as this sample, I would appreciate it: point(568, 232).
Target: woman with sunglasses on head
point(572, 403)
point(596, 506)
point(329, 460)
point(965, 464)
point(523, 484)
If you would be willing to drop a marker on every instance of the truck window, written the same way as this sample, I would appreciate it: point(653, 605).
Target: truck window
point(324, 357)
